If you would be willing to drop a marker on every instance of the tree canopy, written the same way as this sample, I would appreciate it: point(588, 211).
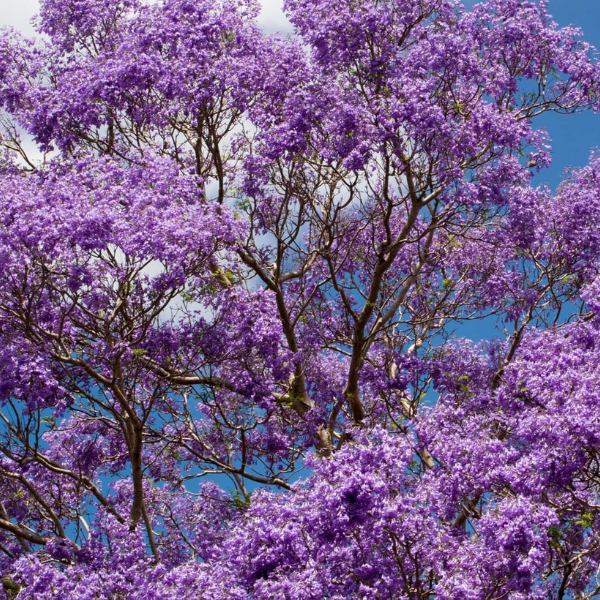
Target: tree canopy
point(237, 280)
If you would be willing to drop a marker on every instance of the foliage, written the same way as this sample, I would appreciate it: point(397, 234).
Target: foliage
point(246, 260)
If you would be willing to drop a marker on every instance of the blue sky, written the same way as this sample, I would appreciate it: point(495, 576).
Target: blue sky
point(573, 135)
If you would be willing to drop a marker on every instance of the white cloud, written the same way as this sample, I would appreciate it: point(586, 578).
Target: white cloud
point(271, 17)
point(18, 14)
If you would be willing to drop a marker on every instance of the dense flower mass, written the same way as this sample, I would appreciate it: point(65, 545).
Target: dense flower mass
point(234, 277)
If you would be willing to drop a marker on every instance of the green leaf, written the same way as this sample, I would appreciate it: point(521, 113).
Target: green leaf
point(586, 520)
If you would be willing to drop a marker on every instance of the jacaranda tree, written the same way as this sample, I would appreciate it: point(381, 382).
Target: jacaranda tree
point(236, 281)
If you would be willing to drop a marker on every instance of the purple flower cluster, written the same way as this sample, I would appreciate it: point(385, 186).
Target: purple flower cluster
point(233, 275)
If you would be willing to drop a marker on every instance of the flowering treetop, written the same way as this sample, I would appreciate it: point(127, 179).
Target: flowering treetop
point(245, 258)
